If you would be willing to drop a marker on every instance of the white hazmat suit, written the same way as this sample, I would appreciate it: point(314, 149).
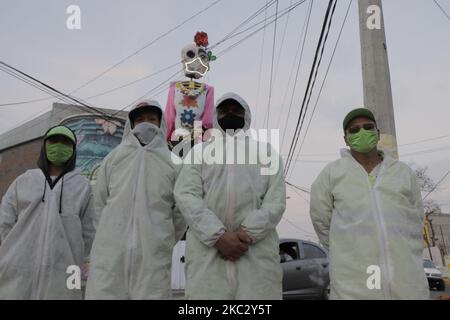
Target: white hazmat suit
point(218, 197)
point(139, 223)
point(373, 233)
point(43, 232)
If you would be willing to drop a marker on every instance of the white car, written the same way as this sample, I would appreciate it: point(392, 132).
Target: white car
point(434, 276)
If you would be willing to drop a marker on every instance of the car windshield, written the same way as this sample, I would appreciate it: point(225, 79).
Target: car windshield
point(428, 264)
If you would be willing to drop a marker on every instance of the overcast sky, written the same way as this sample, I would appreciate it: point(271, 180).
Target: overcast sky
point(35, 39)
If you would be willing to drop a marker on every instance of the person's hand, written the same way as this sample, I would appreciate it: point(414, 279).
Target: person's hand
point(230, 246)
point(244, 237)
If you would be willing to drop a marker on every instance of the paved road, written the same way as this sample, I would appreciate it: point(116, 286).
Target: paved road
point(433, 294)
point(436, 294)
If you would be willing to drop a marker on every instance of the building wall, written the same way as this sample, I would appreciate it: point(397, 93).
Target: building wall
point(441, 228)
point(17, 160)
point(20, 147)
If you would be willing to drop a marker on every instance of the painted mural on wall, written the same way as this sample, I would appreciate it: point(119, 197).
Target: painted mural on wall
point(96, 139)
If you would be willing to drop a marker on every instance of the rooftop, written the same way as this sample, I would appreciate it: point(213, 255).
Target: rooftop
point(36, 128)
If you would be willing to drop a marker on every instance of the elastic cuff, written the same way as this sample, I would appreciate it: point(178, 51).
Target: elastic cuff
point(218, 235)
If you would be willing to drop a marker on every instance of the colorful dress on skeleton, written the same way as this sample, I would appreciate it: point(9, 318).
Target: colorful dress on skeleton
point(185, 106)
point(189, 101)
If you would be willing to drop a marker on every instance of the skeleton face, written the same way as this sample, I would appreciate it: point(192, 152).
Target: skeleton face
point(195, 61)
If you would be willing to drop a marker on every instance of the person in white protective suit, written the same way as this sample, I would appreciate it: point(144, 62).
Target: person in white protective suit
point(367, 210)
point(47, 225)
point(232, 247)
point(139, 223)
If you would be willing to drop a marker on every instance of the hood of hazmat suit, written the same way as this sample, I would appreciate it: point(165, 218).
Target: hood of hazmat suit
point(46, 228)
point(139, 223)
point(373, 229)
point(217, 195)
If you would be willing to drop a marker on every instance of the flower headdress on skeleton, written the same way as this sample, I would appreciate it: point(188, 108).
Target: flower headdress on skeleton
point(196, 56)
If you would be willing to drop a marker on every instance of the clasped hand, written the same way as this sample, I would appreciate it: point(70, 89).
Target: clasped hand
point(233, 245)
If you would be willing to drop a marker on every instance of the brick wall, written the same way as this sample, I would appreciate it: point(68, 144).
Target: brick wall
point(16, 160)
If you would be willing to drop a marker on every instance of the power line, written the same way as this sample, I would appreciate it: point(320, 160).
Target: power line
point(113, 115)
point(319, 44)
point(48, 87)
point(248, 36)
point(278, 64)
point(229, 36)
point(437, 184)
point(312, 161)
point(320, 154)
point(291, 72)
point(312, 78)
point(420, 152)
point(401, 145)
point(324, 80)
point(122, 60)
point(26, 80)
point(425, 140)
point(233, 33)
point(221, 53)
point(23, 102)
point(271, 65)
point(277, 15)
point(35, 115)
point(297, 187)
point(32, 81)
point(146, 45)
point(133, 82)
point(312, 86)
point(301, 44)
point(150, 91)
point(425, 151)
point(442, 9)
point(282, 43)
point(280, 14)
point(124, 85)
point(100, 94)
point(107, 91)
point(287, 10)
point(260, 64)
point(297, 227)
point(298, 193)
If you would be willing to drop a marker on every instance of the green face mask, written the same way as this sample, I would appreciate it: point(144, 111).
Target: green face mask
point(363, 141)
point(59, 153)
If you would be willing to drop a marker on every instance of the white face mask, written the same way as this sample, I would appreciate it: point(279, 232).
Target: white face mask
point(145, 132)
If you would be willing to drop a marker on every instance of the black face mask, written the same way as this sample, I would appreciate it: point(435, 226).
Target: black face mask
point(231, 122)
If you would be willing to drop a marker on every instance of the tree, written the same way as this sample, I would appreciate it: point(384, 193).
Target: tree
point(426, 185)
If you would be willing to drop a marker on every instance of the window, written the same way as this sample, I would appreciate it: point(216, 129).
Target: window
point(428, 264)
point(288, 251)
point(313, 252)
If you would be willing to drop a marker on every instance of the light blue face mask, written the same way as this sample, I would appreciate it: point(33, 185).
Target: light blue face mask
point(145, 132)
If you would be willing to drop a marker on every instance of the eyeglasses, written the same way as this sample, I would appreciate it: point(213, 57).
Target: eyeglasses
point(365, 126)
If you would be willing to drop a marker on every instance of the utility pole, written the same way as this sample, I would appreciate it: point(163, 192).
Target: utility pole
point(443, 241)
point(375, 70)
point(427, 235)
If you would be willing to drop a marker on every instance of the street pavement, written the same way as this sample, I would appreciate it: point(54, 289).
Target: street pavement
point(434, 295)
